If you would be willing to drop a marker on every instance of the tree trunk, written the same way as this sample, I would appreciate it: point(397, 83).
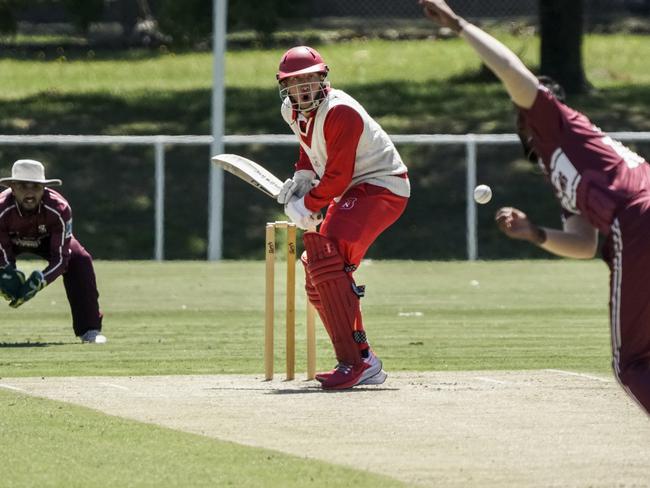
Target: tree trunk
point(561, 50)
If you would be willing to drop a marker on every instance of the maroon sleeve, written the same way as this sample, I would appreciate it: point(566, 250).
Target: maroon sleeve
point(343, 128)
point(6, 249)
point(60, 227)
point(303, 161)
point(546, 117)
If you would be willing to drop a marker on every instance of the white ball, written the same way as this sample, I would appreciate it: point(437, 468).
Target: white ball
point(482, 194)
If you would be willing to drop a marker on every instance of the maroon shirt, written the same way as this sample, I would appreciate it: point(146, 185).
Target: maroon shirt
point(47, 232)
point(592, 174)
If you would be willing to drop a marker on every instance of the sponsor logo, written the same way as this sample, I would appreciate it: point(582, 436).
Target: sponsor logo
point(348, 204)
point(30, 243)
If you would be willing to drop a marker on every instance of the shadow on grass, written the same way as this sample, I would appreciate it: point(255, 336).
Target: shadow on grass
point(111, 189)
point(457, 106)
point(30, 344)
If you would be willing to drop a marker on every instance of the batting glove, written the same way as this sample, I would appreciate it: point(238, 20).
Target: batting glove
point(303, 180)
point(34, 284)
point(11, 282)
point(301, 215)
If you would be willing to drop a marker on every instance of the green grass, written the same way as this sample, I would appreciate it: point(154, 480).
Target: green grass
point(199, 317)
point(167, 92)
point(53, 444)
point(408, 86)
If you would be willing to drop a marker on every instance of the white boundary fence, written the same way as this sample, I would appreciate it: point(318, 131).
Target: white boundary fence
point(470, 141)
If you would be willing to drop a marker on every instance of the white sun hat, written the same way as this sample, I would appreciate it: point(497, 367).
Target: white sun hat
point(28, 170)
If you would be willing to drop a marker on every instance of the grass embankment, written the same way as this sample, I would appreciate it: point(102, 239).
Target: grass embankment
point(408, 86)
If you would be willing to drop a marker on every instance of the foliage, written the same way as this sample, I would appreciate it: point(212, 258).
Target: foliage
point(191, 21)
point(7, 19)
point(83, 12)
point(186, 22)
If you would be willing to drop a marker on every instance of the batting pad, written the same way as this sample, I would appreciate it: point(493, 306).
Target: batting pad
point(340, 304)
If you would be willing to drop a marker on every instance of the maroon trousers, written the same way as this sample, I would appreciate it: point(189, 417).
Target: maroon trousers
point(80, 287)
point(627, 252)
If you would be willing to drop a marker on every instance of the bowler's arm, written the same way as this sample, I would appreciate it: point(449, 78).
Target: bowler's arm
point(520, 83)
point(578, 239)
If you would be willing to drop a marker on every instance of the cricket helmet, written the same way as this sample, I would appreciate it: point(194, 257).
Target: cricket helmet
point(301, 60)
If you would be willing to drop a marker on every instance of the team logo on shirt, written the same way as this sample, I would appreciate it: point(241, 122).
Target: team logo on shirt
point(42, 229)
point(25, 242)
point(565, 178)
point(348, 204)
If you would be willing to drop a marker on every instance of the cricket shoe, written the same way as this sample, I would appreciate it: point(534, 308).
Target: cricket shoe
point(378, 375)
point(323, 376)
point(367, 372)
point(93, 336)
point(375, 366)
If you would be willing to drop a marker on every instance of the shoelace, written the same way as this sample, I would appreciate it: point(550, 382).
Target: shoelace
point(344, 368)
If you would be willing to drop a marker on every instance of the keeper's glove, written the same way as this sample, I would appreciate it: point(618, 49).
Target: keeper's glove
point(11, 282)
point(34, 284)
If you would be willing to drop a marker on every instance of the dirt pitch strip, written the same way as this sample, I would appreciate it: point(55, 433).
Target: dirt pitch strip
point(452, 429)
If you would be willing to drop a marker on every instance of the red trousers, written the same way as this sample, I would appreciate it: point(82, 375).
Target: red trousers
point(363, 213)
point(353, 224)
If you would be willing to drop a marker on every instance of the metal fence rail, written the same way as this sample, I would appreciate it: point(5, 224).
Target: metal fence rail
point(470, 141)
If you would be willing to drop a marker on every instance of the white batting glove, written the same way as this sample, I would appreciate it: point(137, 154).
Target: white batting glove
point(303, 180)
point(301, 215)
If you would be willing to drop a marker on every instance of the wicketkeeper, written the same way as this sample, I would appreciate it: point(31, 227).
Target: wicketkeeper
point(37, 220)
point(348, 164)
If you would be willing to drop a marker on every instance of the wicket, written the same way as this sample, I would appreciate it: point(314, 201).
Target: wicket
point(269, 308)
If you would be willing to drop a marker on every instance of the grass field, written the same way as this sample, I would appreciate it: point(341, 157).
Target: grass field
point(409, 86)
point(196, 317)
point(206, 318)
point(199, 317)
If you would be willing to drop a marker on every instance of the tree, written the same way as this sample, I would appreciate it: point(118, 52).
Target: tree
point(561, 26)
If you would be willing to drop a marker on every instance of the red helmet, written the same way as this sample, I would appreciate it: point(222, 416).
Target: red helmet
point(300, 60)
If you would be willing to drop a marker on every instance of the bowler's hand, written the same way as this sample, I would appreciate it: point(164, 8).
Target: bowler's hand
point(439, 12)
point(301, 215)
point(34, 284)
point(515, 224)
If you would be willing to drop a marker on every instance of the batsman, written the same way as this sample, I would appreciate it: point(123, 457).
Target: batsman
point(347, 164)
point(35, 219)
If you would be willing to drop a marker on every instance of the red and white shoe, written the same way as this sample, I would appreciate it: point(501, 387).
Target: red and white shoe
point(323, 376)
point(368, 372)
point(374, 375)
point(344, 376)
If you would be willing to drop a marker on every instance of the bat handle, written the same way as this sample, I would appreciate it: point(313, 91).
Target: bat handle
point(318, 217)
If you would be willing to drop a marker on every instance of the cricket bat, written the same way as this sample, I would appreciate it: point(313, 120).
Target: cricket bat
point(251, 172)
point(256, 175)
